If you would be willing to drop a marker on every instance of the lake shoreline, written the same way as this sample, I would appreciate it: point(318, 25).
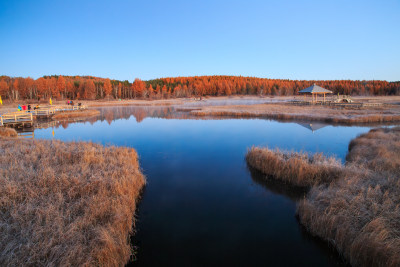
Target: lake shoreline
point(7, 105)
point(290, 112)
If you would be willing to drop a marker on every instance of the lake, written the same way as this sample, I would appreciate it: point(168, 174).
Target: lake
point(202, 205)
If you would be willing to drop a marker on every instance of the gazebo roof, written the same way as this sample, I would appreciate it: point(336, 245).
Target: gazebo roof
point(315, 89)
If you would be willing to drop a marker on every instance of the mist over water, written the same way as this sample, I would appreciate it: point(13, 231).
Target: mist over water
point(202, 205)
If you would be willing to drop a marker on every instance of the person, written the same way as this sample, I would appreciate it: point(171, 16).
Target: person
point(23, 107)
point(19, 108)
point(72, 102)
point(37, 107)
point(29, 108)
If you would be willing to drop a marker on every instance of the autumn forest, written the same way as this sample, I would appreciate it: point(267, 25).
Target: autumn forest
point(91, 88)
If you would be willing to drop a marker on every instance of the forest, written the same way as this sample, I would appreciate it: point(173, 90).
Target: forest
point(91, 88)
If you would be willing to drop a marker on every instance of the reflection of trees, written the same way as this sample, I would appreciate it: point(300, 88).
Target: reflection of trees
point(110, 114)
point(64, 124)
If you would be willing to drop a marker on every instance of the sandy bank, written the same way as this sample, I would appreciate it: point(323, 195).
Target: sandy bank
point(68, 204)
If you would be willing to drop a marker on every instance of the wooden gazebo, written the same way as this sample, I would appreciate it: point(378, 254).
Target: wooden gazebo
point(315, 90)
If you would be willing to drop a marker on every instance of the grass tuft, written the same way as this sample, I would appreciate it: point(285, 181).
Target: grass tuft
point(76, 114)
point(7, 132)
point(300, 169)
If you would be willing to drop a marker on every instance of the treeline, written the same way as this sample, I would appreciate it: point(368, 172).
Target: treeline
point(233, 85)
point(88, 87)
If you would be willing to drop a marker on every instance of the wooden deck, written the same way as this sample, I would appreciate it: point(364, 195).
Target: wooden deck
point(49, 111)
point(19, 119)
point(24, 119)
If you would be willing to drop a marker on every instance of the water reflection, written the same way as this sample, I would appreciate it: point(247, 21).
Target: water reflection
point(276, 186)
point(314, 126)
point(114, 113)
point(140, 113)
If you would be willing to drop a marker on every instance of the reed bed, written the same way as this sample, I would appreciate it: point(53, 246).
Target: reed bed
point(296, 168)
point(326, 114)
point(7, 132)
point(66, 204)
point(356, 206)
point(360, 212)
point(76, 114)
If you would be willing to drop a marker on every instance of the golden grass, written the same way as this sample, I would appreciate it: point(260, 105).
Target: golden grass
point(76, 114)
point(7, 132)
point(360, 212)
point(329, 114)
point(296, 168)
point(356, 209)
point(68, 204)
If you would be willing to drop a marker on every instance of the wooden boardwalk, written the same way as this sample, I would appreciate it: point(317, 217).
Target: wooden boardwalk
point(19, 119)
point(24, 119)
point(49, 111)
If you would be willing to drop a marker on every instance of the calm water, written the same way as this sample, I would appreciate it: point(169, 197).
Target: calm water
point(202, 205)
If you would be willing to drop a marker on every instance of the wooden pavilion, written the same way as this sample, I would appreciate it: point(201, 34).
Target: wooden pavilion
point(315, 90)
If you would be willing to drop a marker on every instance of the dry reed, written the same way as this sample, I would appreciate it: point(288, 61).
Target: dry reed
point(326, 114)
point(300, 169)
point(66, 204)
point(355, 207)
point(7, 132)
point(360, 212)
point(76, 114)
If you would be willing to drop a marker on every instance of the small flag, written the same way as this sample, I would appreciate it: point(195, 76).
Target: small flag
point(1, 101)
point(51, 102)
point(52, 132)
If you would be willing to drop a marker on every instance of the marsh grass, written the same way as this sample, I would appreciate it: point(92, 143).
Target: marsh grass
point(296, 168)
point(328, 114)
point(356, 206)
point(76, 114)
point(66, 204)
point(360, 212)
point(7, 132)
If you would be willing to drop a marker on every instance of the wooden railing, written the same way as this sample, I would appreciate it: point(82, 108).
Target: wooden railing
point(25, 117)
point(50, 110)
point(43, 112)
point(15, 117)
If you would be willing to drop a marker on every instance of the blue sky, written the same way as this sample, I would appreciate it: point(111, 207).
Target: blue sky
point(319, 40)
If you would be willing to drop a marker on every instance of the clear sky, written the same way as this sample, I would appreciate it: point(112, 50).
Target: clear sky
point(150, 39)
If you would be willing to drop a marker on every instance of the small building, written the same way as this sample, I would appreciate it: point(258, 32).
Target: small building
point(315, 90)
